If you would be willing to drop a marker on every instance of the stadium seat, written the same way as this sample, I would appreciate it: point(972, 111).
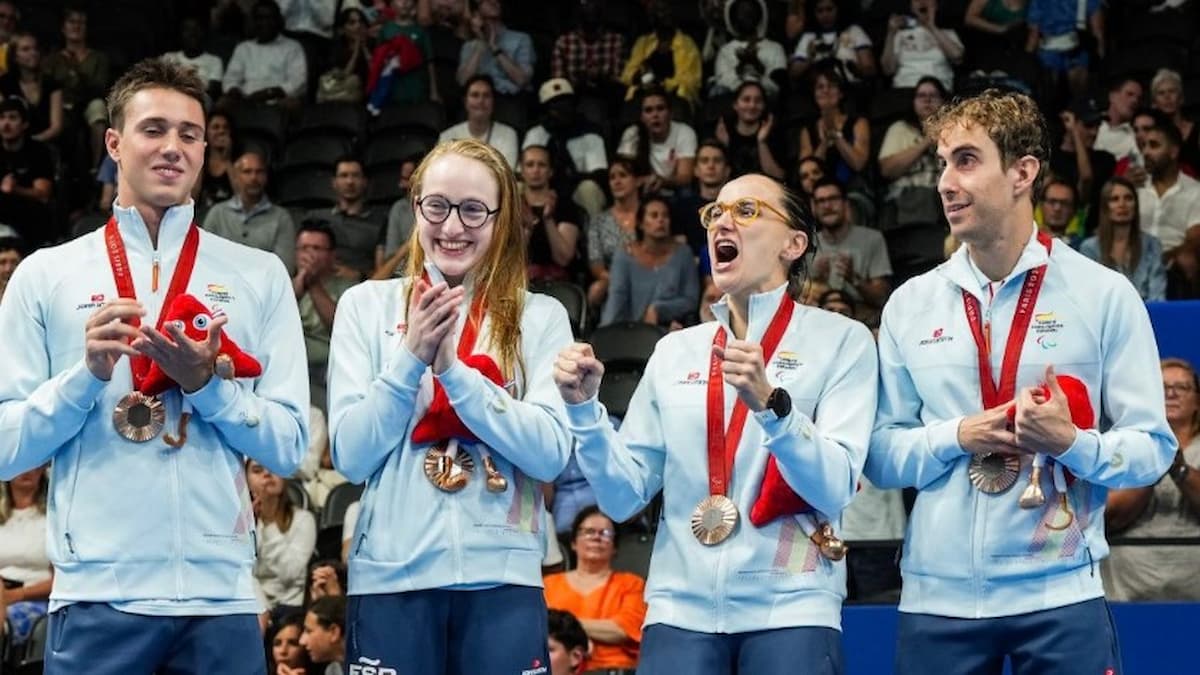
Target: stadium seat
point(343, 119)
point(513, 111)
point(297, 494)
point(308, 190)
point(633, 552)
point(625, 345)
point(262, 120)
point(383, 190)
point(391, 150)
point(423, 118)
point(616, 389)
point(314, 152)
point(33, 652)
point(337, 501)
point(572, 297)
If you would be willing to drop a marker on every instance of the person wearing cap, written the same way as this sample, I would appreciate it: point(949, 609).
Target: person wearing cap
point(575, 145)
point(26, 176)
point(1001, 554)
point(479, 100)
point(589, 57)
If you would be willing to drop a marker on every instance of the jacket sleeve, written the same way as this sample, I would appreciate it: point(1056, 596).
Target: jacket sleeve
point(297, 72)
point(625, 470)
point(528, 432)
point(38, 413)
point(366, 408)
point(822, 458)
point(904, 451)
point(1138, 447)
point(267, 421)
point(235, 70)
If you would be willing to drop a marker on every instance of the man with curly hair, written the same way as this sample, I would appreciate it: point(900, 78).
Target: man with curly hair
point(971, 407)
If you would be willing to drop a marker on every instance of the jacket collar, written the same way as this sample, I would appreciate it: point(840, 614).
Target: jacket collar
point(171, 231)
point(962, 272)
point(762, 308)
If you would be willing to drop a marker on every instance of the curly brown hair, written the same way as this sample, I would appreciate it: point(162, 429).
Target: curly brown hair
point(1013, 122)
point(153, 73)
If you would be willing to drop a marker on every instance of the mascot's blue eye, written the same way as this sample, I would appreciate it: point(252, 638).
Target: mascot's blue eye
point(179, 324)
point(201, 321)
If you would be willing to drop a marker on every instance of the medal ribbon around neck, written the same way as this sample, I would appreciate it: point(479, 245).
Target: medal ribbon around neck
point(723, 443)
point(123, 276)
point(994, 395)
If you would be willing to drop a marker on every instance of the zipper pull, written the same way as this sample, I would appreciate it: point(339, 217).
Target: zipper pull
point(70, 545)
point(154, 274)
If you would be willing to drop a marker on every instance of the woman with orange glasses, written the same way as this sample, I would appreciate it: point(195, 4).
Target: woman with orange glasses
point(755, 427)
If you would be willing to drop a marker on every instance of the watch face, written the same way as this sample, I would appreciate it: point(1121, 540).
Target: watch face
point(780, 402)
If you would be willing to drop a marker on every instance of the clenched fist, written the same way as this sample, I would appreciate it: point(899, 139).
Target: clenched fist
point(577, 373)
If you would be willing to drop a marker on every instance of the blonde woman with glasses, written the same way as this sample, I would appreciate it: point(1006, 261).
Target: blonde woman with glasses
point(755, 427)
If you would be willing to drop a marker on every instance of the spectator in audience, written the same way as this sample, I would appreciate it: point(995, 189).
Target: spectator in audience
point(666, 58)
point(318, 288)
point(11, 253)
point(469, 238)
point(310, 23)
point(569, 494)
point(249, 217)
point(479, 101)
point(832, 41)
point(1121, 243)
point(26, 176)
point(842, 141)
point(316, 471)
point(750, 56)
point(1133, 167)
point(28, 79)
point(1166, 96)
point(590, 57)
point(1077, 160)
point(10, 21)
point(566, 642)
point(849, 257)
point(908, 163)
point(717, 35)
point(271, 67)
point(349, 524)
point(106, 178)
point(915, 47)
point(392, 251)
point(25, 569)
point(809, 170)
point(286, 650)
point(324, 634)
point(350, 60)
point(656, 280)
point(613, 230)
point(357, 227)
point(215, 184)
point(712, 171)
point(1055, 34)
point(328, 577)
point(503, 54)
point(607, 603)
point(753, 143)
point(1116, 130)
point(1058, 213)
point(84, 75)
point(575, 145)
point(1169, 508)
point(552, 224)
point(1170, 204)
point(402, 73)
point(286, 536)
point(664, 150)
point(837, 302)
point(208, 66)
point(996, 17)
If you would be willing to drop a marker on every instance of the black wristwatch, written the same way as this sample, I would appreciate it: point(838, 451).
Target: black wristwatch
point(1179, 472)
point(780, 403)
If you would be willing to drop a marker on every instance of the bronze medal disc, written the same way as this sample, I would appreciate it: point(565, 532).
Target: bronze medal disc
point(138, 417)
point(448, 473)
point(994, 472)
point(714, 519)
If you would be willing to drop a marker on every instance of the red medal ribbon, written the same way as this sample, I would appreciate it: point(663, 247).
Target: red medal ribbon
point(722, 443)
point(123, 276)
point(993, 396)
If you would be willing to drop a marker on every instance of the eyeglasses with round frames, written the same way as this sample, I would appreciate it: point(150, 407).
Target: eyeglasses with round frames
point(743, 211)
point(472, 213)
point(1177, 389)
point(603, 533)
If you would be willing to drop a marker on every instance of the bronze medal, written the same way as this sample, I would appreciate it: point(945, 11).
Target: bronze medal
point(138, 417)
point(448, 472)
point(994, 472)
point(831, 546)
point(714, 519)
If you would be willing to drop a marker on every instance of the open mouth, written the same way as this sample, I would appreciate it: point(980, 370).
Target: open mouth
point(452, 247)
point(726, 251)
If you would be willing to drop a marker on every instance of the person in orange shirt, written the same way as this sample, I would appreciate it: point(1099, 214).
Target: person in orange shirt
point(608, 603)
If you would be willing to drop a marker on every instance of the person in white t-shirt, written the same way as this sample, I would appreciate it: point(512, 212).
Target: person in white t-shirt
point(750, 56)
point(479, 96)
point(656, 142)
point(208, 66)
point(916, 47)
point(1116, 135)
point(829, 40)
point(24, 566)
point(1169, 206)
